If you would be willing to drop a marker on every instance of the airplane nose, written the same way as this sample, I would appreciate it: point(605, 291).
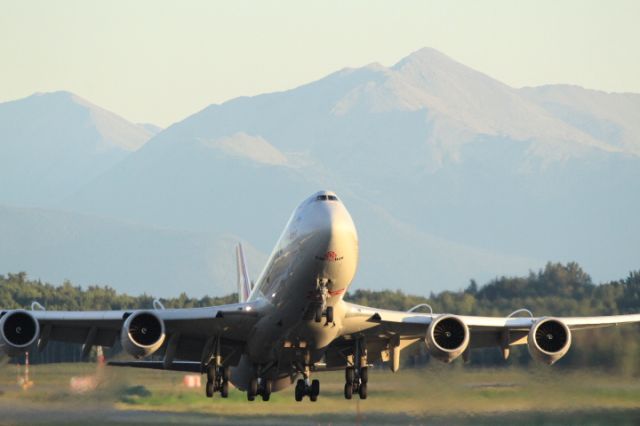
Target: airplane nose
point(331, 219)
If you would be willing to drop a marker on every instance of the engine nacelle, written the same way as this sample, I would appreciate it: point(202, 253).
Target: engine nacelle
point(549, 340)
point(447, 338)
point(19, 331)
point(142, 334)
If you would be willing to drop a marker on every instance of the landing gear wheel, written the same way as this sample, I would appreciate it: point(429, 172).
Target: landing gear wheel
point(364, 374)
point(299, 390)
point(266, 391)
point(253, 389)
point(348, 390)
point(315, 390)
point(318, 313)
point(363, 391)
point(349, 375)
point(211, 374)
point(226, 373)
point(224, 392)
point(330, 314)
point(209, 388)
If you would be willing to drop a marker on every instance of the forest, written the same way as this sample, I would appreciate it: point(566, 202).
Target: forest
point(556, 290)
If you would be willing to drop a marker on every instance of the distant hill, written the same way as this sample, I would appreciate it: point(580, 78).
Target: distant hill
point(449, 173)
point(57, 246)
point(51, 144)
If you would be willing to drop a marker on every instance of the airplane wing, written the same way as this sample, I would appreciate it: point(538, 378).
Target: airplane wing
point(385, 330)
point(413, 324)
point(181, 334)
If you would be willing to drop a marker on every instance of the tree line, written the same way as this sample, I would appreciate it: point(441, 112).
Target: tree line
point(555, 290)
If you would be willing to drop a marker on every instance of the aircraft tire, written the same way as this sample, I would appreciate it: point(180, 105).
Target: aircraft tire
point(299, 393)
point(364, 374)
point(209, 389)
point(266, 391)
point(315, 390)
point(224, 392)
point(318, 313)
point(211, 374)
point(349, 375)
point(363, 391)
point(253, 389)
point(348, 390)
point(330, 314)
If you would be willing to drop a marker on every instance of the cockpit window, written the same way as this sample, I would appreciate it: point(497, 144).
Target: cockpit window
point(326, 197)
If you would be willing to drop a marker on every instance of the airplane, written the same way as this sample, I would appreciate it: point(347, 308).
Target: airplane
point(293, 323)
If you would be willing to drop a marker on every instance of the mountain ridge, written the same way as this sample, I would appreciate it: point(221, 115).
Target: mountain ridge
point(449, 173)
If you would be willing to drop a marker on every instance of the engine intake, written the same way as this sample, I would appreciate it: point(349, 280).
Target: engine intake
point(447, 338)
point(19, 331)
point(549, 340)
point(142, 334)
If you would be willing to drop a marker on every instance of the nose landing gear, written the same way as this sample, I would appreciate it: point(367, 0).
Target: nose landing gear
point(320, 307)
point(320, 312)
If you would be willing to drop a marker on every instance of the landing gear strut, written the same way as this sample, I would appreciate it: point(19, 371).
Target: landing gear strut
point(357, 376)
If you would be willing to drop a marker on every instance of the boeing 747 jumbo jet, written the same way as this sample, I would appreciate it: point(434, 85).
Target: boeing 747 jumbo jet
point(293, 322)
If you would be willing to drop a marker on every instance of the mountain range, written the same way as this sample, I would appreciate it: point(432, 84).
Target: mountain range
point(449, 174)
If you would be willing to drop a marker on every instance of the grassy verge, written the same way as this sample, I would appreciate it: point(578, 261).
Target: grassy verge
point(438, 394)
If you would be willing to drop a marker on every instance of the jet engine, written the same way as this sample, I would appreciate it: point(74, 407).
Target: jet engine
point(549, 340)
point(142, 334)
point(447, 337)
point(19, 331)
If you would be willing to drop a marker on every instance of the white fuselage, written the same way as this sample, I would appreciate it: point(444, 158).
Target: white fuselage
point(317, 251)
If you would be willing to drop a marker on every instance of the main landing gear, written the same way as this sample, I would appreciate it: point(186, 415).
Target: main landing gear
point(306, 388)
point(259, 386)
point(217, 374)
point(259, 383)
point(357, 375)
point(356, 383)
point(217, 381)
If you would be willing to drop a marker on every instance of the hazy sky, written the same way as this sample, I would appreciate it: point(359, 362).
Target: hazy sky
point(159, 61)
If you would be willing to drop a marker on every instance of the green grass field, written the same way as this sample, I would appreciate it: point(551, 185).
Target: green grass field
point(438, 394)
